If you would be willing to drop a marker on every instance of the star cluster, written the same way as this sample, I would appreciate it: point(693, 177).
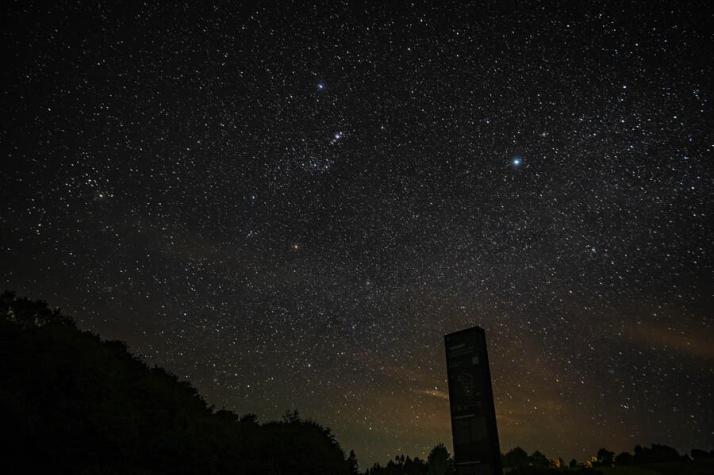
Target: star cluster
point(290, 205)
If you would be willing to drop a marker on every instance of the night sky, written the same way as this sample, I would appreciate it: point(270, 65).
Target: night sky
point(290, 205)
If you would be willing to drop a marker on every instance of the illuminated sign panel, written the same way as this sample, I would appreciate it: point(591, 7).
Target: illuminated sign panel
point(473, 416)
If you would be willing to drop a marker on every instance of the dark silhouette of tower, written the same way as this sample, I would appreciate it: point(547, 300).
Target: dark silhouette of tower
point(473, 415)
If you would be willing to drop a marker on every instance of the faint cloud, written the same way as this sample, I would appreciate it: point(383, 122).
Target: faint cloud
point(433, 393)
point(695, 343)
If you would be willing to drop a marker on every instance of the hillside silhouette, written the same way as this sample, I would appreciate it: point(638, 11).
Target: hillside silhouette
point(73, 403)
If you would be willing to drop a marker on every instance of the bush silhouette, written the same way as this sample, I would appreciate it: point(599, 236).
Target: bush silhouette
point(516, 457)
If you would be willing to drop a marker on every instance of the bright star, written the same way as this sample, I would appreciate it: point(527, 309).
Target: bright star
point(517, 161)
point(336, 137)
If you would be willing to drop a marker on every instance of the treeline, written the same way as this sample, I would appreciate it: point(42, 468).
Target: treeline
point(655, 459)
point(439, 462)
point(74, 404)
point(656, 454)
point(519, 462)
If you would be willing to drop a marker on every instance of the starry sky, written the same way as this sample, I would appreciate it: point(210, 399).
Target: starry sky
point(290, 204)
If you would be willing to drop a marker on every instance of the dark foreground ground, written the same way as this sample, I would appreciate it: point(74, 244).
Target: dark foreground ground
point(700, 467)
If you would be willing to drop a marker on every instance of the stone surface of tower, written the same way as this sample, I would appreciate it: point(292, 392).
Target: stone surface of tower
point(473, 414)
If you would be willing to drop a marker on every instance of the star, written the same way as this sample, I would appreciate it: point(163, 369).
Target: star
point(336, 137)
point(517, 161)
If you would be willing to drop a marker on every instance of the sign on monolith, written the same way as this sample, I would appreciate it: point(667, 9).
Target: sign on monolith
point(473, 415)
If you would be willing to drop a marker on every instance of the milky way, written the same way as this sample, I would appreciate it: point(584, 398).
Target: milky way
point(289, 206)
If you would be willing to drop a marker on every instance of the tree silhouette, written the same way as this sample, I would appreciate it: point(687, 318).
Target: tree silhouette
point(698, 454)
point(624, 458)
point(605, 457)
point(516, 457)
point(352, 463)
point(657, 453)
point(537, 459)
point(439, 461)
